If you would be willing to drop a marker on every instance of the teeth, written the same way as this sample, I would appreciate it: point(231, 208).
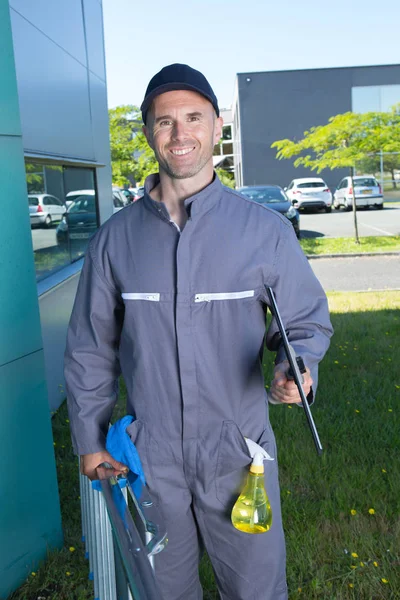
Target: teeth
point(181, 152)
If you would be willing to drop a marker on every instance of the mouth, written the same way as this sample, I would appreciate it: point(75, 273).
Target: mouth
point(182, 151)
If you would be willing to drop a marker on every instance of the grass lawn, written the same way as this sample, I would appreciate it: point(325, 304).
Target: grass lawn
point(348, 245)
point(340, 511)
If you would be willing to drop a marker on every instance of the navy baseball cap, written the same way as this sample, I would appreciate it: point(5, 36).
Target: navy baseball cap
point(177, 77)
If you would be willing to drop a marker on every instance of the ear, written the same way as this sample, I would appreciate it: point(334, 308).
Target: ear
point(147, 135)
point(218, 129)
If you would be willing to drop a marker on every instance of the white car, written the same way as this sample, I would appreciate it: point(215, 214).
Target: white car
point(309, 192)
point(367, 192)
point(44, 209)
point(119, 200)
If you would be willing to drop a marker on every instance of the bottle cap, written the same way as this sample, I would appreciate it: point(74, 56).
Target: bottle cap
point(257, 466)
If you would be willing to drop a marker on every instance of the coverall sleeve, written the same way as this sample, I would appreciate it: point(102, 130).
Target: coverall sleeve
point(302, 304)
point(91, 364)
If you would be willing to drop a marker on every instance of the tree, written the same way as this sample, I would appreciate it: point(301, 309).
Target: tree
point(372, 164)
point(344, 141)
point(227, 178)
point(131, 156)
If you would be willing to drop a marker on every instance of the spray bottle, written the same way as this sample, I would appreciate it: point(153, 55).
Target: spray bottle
point(252, 510)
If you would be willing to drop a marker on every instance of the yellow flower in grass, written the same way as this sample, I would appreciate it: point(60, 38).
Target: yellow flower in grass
point(351, 585)
point(33, 574)
point(356, 410)
point(375, 563)
point(353, 567)
point(68, 574)
point(354, 554)
point(362, 564)
point(384, 471)
point(384, 580)
point(71, 549)
point(371, 511)
point(353, 512)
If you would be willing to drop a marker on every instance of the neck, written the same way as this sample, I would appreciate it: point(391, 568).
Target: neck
point(174, 192)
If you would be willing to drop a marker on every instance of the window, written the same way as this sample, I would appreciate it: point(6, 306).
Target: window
point(374, 98)
point(63, 214)
point(227, 148)
point(365, 181)
point(312, 184)
point(226, 132)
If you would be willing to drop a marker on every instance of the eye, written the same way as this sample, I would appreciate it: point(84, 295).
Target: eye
point(193, 118)
point(165, 123)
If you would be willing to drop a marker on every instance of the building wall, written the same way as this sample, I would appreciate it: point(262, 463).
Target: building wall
point(284, 104)
point(30, 521)
point(60, 66)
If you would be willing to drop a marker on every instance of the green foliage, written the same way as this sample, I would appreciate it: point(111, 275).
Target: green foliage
point(346, 140)
point(372, 164)
point(130, 154)
point(389, 243)
point(227, 178)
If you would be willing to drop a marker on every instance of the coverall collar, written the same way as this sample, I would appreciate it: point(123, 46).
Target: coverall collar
point(195, 205)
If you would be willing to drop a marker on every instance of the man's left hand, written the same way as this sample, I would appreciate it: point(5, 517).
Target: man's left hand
point(284, 389)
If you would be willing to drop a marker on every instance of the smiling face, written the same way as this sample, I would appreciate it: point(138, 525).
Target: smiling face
point(182, 129)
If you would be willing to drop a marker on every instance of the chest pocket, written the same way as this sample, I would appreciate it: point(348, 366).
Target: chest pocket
point(149, 297)
point(224, 296)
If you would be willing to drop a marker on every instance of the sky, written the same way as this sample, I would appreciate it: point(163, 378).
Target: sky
point(225, 37)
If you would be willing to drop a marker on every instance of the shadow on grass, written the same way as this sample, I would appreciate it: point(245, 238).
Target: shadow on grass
point(357, 416)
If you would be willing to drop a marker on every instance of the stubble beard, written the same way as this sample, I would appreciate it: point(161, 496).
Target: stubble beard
point(185, 172)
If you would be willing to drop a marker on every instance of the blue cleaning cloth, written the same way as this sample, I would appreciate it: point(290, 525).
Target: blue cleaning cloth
point(120, 446)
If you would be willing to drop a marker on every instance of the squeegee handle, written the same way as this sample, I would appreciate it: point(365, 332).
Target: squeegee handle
point(294, 371)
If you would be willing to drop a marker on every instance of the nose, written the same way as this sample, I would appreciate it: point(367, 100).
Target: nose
point(179, 131)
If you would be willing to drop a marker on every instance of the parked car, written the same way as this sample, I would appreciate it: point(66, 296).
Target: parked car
point(130, 196)
point(367, 192)
point(44, 209)
point(119, 200)
point(79, 222)
point(139, 193)
point(309, 192)
point(274, 197)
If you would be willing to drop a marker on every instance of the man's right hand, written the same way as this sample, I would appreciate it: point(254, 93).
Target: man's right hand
point(90, 466)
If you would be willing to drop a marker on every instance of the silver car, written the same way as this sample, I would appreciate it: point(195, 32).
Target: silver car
point(45, 209)
point(367, 192)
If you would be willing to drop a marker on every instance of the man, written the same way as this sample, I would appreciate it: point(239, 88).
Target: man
point(172, 294)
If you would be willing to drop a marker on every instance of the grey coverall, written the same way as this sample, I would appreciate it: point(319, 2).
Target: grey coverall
point(182, 315)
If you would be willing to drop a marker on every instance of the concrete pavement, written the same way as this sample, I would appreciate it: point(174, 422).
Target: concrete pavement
point(358, 273)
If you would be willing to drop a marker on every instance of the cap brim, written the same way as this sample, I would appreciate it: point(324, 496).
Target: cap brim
point(170, 87)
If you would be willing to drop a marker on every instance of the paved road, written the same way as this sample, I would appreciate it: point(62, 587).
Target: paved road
point(358, 273)
point(341, 224)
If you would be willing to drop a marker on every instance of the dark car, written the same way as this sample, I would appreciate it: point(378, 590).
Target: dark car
point(274, 197)
point(78, 224)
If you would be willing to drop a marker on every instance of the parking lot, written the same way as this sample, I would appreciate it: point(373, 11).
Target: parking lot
point(341, 224)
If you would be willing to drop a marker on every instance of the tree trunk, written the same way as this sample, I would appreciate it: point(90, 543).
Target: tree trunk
point(354, 206)
point(393, 180)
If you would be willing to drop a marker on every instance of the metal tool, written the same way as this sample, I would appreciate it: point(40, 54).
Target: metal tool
point(295, 372)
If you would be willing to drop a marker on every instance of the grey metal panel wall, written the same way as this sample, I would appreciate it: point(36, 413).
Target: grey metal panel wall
point(53, 94)
point(94, 37)
point(284, 104)
point(101, 136)
point(61, 77)
point(55, 309)
point(59, 20)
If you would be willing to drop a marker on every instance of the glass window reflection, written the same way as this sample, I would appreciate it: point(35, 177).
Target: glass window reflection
point(62, 204)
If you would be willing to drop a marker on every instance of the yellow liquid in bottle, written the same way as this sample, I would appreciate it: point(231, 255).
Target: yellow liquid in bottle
point(252, 511)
